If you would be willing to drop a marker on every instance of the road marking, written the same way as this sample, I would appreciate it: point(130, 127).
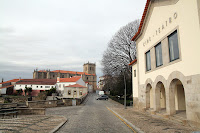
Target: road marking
point(122, 120)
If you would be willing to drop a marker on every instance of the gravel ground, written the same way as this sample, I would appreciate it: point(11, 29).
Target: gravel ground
point(30, 124)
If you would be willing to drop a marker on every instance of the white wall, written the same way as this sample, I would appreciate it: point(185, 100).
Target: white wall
point(60, 85)
point(34, 87)
point(187, 24)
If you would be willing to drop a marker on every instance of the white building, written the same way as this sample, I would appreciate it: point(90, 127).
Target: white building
point(62, 82)
point(166, 74)
point(75, 91)
point(37, 85)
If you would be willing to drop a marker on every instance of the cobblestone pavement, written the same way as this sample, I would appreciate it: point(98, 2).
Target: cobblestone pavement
point(93, 117)
point(149, 123)
point(30, 124)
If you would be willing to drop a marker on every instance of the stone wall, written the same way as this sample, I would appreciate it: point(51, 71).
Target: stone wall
point(42, 104)
point(31, 111)
point(8, 105)
point(67, 102)
point(1, 100)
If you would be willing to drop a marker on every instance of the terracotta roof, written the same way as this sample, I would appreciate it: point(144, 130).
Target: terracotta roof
point(72, 79)
point(71, 72)
point(13, 80)
point(133, 62)
point(142, 20)
point(76, 86)
point(38, 81)
point(6, 86)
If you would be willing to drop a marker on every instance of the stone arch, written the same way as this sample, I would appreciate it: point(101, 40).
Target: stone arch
point(149, 93)
point(160, 96)
point(177, 90)
point(176, 75)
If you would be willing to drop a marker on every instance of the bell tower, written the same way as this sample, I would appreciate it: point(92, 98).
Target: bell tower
point(89, 68)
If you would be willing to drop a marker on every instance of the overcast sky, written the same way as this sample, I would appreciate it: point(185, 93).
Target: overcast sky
point(59, 34)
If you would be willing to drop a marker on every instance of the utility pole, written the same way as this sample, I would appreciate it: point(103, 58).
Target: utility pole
point(124, 90)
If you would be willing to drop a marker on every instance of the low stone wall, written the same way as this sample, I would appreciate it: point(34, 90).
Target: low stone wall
point(31, 111)
point(42, 104)
point(80, 100)
point(1, 100)
point(8, 105)
point(67, 102)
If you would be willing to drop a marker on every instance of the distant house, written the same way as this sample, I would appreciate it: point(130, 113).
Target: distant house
point(75, 91)
point(37, 85)
point(6, 88)
point(62, 82)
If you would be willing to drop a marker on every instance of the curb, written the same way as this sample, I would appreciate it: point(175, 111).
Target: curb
point(58, 127)
point(138, 130)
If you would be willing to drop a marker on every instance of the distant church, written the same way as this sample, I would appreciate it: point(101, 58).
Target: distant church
point(88, 74)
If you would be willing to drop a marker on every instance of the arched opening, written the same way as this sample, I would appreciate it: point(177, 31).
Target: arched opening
point(160, 97)
point(177, 98)
point(149, 97)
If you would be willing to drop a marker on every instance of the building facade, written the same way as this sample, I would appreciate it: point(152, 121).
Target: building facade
point(88, 74)
point(166, 74)
point(75, 91)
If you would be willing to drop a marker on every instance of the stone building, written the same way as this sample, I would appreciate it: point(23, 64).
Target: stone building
point(166, 74)
point(88, 74)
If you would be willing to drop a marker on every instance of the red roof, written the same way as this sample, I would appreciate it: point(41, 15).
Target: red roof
point(71, 72)
point(38, 81)
point(72, 79)
point(142, 20)
point(133, 62)
point(6, 86)
point(76, 86)
point(13, 80)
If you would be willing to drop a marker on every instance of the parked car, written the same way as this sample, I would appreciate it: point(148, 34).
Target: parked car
point(102, 97)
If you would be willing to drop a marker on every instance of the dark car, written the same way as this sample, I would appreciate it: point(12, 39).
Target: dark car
point(102, 97)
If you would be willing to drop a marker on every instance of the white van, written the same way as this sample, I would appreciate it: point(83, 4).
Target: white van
point(101, 93)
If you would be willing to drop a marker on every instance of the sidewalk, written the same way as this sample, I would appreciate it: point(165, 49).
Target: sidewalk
point(31, 124)
point(150, 123)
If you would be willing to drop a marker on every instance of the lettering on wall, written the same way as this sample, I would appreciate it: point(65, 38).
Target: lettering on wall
point(161, 28)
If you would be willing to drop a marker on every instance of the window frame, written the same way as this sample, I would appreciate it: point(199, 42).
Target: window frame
point(147, 59)
point(171, 60)
point(159, 44)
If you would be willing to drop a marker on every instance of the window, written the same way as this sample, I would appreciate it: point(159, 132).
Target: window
point(173, 46)
point(90, 68)
point(47, 86)
point(59, 85)
point(40, 86)
point(25, 85)
point(148, 61)
point(134, 73)
point(80, 93)
point(158, 50)
point(87, 78)
point(63, 85)
point(74, 92)
point(37, 86)
point(69, 92)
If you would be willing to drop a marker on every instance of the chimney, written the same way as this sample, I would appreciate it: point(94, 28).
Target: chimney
point(19, 78)
point(58, 79)
point(2, 80)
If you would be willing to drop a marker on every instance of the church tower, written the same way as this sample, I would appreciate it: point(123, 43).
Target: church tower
point(89, 68)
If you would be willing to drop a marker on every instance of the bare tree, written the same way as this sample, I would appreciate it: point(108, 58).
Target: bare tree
point(121, 50)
